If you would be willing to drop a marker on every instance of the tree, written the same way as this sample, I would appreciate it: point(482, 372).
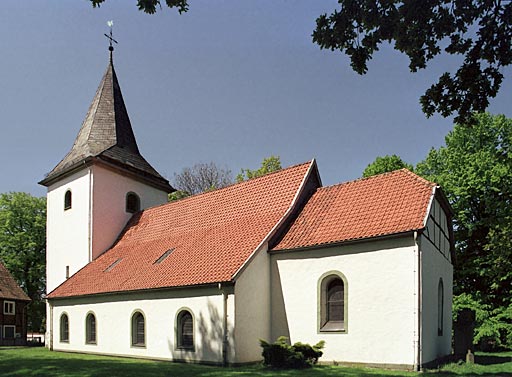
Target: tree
point(23, 248)
point(475, 171)
point(268, 165)
point(177, 195)
point(479, 31)
point(422, 30)
point(201, 177)
point(385, 164)
point(149, 6)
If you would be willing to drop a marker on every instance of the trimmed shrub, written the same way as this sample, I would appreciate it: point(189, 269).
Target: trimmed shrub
point(282, 355)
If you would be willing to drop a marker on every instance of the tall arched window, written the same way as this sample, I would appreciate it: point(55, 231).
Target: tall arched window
point(67, 200)
point(90, 329)
point(138, 330)
point(64, 328)
point(132, 202)
point(185, 330)
point(440, 307)
point(332, 301)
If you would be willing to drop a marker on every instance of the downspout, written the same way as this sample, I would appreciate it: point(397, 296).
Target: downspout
point(418, 361)
point(225, 341)
point(51, 326)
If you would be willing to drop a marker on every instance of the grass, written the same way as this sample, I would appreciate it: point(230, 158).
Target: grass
point(41, 362)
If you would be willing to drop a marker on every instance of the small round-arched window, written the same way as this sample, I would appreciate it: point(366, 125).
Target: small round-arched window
point(132, 202)
point(64, 328)
point(333, 300)
point(90, 329)
point(185, 336)
point(138, 330)
point(67, 200)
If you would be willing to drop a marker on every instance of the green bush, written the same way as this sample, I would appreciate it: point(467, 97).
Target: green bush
point(282, 355)
point(493, 327)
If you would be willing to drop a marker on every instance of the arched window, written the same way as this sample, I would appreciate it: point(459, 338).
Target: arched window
point(132, 202)
point(332, 301)
point(67, 200)
point(64, 328)
point(185, 330)
point(138, 330)
point(90, 329)
point(440, 307)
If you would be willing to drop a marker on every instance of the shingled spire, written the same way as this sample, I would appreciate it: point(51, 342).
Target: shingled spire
point(106, 136)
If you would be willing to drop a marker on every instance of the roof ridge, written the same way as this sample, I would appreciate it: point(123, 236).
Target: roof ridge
point(229, 186)
point(402, 170)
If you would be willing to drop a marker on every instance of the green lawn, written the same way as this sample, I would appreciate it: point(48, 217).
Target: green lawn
point(41, 362)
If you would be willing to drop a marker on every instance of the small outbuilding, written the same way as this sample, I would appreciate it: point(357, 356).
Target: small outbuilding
point(13, 315)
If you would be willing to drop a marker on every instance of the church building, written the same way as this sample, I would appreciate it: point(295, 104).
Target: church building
point(364, 265)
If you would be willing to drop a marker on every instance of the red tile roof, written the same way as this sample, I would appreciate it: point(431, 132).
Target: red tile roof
point(9, 289)
point(211, 236)
point(385, 204)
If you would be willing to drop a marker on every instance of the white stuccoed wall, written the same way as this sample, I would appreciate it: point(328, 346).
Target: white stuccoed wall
point(252, 307)
point(109, 198)
point(382, 300)
point(436, 264)
point(78, 235)
point(96, 218)
point(113, 318)
point(67, 232)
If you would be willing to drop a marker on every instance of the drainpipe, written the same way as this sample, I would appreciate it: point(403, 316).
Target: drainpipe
point(225, 342)
point(50, 341)
point(419, 330)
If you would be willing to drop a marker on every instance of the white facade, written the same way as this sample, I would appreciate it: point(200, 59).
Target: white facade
point(97, 215)
point(253, 307)
point(113, 314)
point(77, 235)
point(381, 321)
point(394, 309)
point(397, 303)
point(437, 274)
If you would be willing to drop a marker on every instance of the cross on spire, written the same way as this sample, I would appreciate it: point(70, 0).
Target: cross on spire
point(110, 48)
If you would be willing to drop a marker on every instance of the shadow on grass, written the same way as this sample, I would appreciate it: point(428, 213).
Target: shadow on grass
point(492, 359)
point(41, 362)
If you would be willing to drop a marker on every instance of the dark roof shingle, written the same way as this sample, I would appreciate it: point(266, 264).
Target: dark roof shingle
point(107, 134)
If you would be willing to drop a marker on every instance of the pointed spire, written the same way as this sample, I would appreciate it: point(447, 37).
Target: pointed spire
point(106, 134)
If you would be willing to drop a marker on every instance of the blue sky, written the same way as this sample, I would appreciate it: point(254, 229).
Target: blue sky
point(230, 82)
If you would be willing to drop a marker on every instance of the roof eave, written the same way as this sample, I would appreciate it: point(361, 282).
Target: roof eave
point(226, 283)
point(348, 242)
point(50, 179)
point(161, 184)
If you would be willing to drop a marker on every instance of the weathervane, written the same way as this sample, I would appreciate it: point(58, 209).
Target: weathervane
point(110, 48)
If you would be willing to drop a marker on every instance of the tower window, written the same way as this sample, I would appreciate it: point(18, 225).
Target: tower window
point(67, 200)
point(132, 202)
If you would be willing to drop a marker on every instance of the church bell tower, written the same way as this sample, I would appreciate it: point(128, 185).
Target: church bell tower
point(98, 185)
